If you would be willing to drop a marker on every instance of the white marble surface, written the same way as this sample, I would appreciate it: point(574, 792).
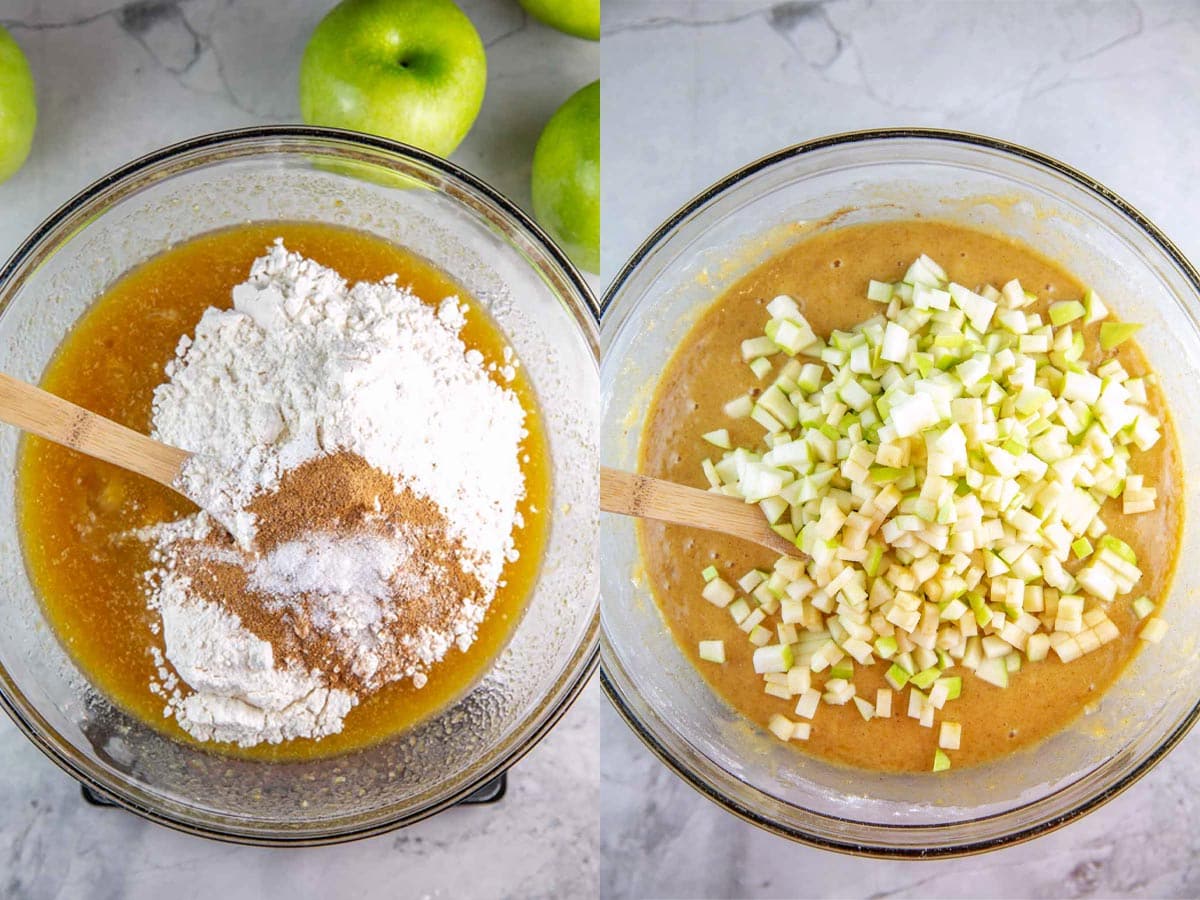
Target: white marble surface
point(115, 81)
point(694, 89)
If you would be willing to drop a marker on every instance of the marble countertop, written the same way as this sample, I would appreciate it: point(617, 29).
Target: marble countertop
point(692, 90)
point(114, 81)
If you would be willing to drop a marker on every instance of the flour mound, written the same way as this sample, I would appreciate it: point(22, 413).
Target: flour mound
point(236, 689)
point(306, 366)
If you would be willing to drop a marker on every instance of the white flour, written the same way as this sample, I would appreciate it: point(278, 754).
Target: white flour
point(237, 693)
point(304, 366)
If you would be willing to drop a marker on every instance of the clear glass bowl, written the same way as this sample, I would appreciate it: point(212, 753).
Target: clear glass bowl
point(713, 240)
point(545, 309)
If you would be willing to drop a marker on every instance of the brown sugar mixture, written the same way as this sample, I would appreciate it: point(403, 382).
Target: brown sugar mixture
point(828, 274)
point(77, 515)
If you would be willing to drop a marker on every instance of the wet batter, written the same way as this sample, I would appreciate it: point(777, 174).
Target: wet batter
point(827, 274)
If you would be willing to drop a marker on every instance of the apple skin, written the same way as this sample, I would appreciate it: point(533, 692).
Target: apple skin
point(18, 107)
point(578, 17)
point(411, 70)
point(566, 177)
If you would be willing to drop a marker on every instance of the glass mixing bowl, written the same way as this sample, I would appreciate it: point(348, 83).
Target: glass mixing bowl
point(543, 306)
point(717, 237)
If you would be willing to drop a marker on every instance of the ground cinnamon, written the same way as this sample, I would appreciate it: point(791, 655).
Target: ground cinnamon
point(343, 496)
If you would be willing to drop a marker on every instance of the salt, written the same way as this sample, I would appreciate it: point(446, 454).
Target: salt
point(325, 564)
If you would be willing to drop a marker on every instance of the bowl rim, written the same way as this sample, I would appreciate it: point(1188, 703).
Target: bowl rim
point(587, 654)
point(609, 666)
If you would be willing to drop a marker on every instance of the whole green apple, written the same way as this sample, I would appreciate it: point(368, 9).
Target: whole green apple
point(411, 70)
point(566, 177)
point(578, 17)
point(18, 106)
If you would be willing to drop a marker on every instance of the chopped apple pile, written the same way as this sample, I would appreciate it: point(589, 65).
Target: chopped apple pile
point(943, 467)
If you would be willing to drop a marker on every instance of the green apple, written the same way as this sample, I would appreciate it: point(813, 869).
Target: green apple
point(18, 106)
point(411, 70)
point(566, 177)
point(578, 17)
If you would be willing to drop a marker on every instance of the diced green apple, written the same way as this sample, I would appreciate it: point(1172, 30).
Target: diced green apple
point(1113, 334)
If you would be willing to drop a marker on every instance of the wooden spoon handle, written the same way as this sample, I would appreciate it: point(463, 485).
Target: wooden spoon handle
point(652, 498)
point(32, 409)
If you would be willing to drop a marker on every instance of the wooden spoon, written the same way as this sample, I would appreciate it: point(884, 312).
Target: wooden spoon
point(665, 501)
point(34, 410)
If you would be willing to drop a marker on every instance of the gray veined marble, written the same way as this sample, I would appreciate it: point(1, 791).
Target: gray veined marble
point(692, 90)
point(116, 80)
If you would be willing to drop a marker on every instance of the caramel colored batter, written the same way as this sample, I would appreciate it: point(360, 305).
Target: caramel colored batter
point(828, 275)
point(75, 512)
